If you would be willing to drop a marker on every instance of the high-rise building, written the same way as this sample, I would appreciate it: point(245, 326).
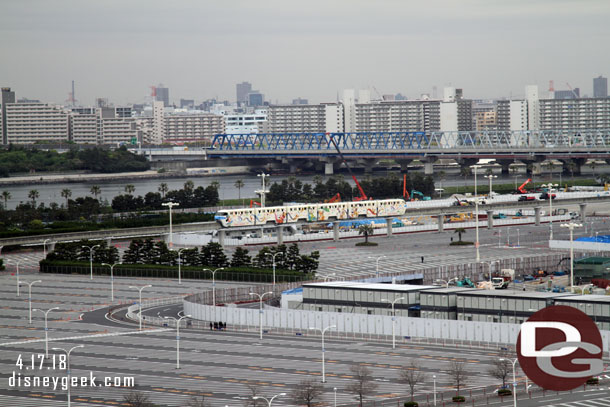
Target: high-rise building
point(322, 118)
point(187, 103)
point(255, 99)
point(7, 97)
point(575, 114)
point(242, 90)
point(162, 95)
point(27, 123)
point(300, 101)
point(600, 87)
point(567, 94)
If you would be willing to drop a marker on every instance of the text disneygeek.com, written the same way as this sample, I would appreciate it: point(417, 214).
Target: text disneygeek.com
point(18, 380)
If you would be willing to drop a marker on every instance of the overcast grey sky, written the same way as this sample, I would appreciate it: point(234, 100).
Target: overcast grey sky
point(201, 48)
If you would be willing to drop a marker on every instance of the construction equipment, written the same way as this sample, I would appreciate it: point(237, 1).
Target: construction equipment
point(421, 196)
point(466, 282)
point(521, 189)
point(362, 196)
point(336, 198)
point(460, 217)
point(461, 203)
point(254, 203)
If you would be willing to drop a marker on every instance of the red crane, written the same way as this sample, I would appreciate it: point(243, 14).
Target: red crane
point(362, 196)
point(521, 188)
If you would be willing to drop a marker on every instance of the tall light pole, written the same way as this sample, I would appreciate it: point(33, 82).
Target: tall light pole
point(571, 226)
point(434, 380)
point(393, 319)
point(518, 238)
point(476, 203)
point(178, 337)
point(170, 205)
point(447, 282)
point(260, 311)
point(214, 283)
point(179, 264)
point(269, 401)
point(30, 295)
point(323, 331)
point(91, 257)
point(550, 189)
point(335, 390)
point(377, 264)
point(67, 352)
point(273, 255)
point(44, 248)
point(18, 282)
point(111, 279)
point(46, 329)
point(140, 303)
point(514, 362)
point(490, 177)
point(263, 191)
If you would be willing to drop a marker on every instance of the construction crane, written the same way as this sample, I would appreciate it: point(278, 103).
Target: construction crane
point(336, 198)
point(572, 90)
point(362, 196)
point(521, 188)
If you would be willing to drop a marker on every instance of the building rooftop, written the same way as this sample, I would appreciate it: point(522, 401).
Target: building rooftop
point(593, 260)
point(349, 285)
point(588, 298)
point(449, 290)
point(515, 294)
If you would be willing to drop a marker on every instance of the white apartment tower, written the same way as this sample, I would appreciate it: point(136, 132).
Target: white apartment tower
point(533, 107)
point(158, 130)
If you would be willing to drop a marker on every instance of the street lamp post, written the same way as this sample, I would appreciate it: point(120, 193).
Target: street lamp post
point(214, 283)
point(46, 329)
point(111, 279)
point(476, 203)
point(490, 177)
point(518, 238)
point(447, 282)
point(260, 311)
point(67, 352)
point(140, 303)
point(30, 295)
point(273, 255)
point(263, 191)
point(269, 401)
point(44, 248)
point(18, 282)
point(170, 205)
point(178, 337)
point(179, 265)
point(571, 226)
point(393, 319)
point(323, 331)
point(550, 189)
point(434, 380)
point(377, 264)
point(514, 362)
point(335, 390)
point(91, 257)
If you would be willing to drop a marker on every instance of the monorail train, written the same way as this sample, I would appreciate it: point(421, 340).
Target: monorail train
point(310, 212)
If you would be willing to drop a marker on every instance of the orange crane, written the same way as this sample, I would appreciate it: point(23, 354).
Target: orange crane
point(362, 196)
point(336, 198)
point(254, 203)
point(521, 189)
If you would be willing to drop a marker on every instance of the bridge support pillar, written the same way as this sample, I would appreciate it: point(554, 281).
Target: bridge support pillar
point(428, 168)
point(404, 165)
point(573, 166)
point(221, 237)
point(280, 234)
point(490, 219)
point(369, 163)
point(336, 231)
point(388, 222)
point(441, 223)
point(505, 166)
point(537, 215)
point(329, 169)
point(536, 168)
point(583, 212)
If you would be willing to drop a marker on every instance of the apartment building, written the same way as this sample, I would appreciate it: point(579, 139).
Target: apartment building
point(322, 118)
point(27, 123)
point(574, 114)
point(189, 127)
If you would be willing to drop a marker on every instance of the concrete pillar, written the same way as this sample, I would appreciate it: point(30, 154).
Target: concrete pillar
point(536, 168)
point(505, 166)
point(221, 236)
point(583, 212)
point(388, 222)
point(537, 215)
point(369, 163)
point(336, 231)
point(428, 168)
point(280, 234)
point(404, 165)
point(328, 169)
point(441, 222)
point(490, 219)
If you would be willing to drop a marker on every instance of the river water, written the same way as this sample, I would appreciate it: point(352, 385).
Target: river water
point(52, 192)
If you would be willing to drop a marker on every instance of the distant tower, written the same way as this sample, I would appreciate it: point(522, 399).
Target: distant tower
point(242, 90)
point(162, 94)
point(73, 95)
point(600, 87)
point(7, 97)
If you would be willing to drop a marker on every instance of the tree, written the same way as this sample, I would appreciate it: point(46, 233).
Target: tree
point(215, 185)
point(189, 186)
point(500, 369)
point(458, 374)
point(6, 196)
point(411, 375)
point(363, 383)
point(239, 184)
point(95, 191)
point(307, 392)
point(459, 231)
point(198, 402)
point(130, 189)
point(365, 230)
point(163, 188)
point(137, 399)
point(213, 255)
point(465, 172)
point(33, 195)
point(66, 193)
point(240, 258)
point(254, 391)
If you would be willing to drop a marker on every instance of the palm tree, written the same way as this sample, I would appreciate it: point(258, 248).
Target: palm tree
point(6, 196)
point(239, 184)
point(550, 166)
point(33, 195)
point(459, 231)
point(365, 230)
point(215, 185)
point(66, 193)
point(95, 191)
point(163, 188)
point(465, 172)
point(130, 189)
point(189, 185)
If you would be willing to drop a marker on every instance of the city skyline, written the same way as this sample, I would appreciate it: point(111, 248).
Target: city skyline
point(200, 51)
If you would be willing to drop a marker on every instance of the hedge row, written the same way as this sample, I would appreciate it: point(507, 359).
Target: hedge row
point(247, 274)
